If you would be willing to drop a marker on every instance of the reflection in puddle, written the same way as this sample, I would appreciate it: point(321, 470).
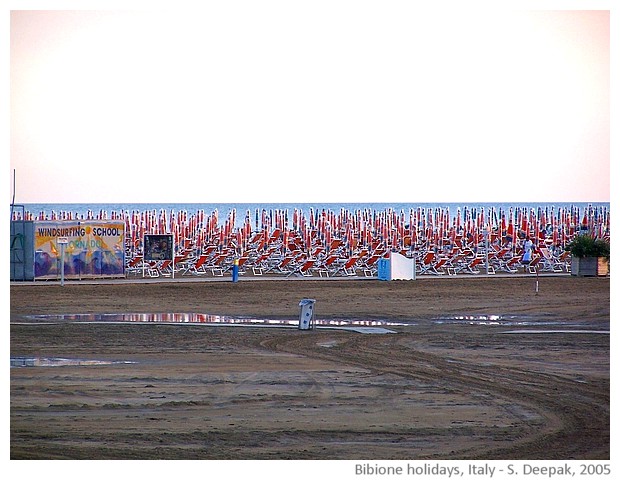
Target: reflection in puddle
point(225, 320)
point(558, 331)
point(203, 318)
point(513, 321)
point(510, 320)
point(58, 362)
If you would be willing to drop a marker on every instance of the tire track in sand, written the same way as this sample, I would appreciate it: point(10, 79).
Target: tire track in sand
point(574, 413)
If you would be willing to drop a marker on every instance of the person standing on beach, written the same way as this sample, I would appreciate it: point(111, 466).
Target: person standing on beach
point(528, 246)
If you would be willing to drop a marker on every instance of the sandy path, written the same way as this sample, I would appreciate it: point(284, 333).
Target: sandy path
point(433, 390)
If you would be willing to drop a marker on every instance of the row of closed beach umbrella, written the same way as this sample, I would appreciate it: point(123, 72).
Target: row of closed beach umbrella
point(342, 242)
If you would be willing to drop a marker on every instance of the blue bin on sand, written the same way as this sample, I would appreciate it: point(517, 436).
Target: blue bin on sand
point(383, 269)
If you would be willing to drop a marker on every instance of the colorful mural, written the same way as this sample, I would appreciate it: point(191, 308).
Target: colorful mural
point(95, 248)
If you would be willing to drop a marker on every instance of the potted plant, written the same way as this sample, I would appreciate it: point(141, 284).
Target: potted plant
point(589, 256)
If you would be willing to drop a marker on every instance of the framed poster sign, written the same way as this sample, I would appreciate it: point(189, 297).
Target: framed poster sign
point(158, 247)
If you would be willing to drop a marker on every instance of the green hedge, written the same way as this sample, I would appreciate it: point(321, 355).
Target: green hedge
point(588, 246)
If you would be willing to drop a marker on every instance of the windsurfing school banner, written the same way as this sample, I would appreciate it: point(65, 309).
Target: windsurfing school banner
point(94, 248)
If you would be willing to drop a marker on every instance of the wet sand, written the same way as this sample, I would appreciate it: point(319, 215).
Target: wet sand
point(435, 389)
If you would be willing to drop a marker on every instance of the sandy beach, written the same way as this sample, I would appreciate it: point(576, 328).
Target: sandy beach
point(527, 379)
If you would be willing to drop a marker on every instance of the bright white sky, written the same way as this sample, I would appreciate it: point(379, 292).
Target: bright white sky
point(280, 101)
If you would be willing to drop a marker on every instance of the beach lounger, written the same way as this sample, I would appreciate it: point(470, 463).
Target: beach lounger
point(472, 266)
point(256, 264)
point(304, 269)
point(275, 236)
point(165, 268)
point(497, 259)
point(534, 265)
point(426, 263)
point(257, 239)
point(346, 268)
point(152, 270)
point(283, 266)
point(335, 244)
point(327, 265)
point(509, 265)
point(198, 267)
point(183, 263)
point(455, 263)
point(548, 262)
point(564, 261)
point(217, 266)
point(259, 264)
point(439, 265)
point(135, 265)
point(369, 266)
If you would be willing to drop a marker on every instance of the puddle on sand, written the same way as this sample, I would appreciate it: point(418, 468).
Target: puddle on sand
point(501, 320)
point(515, 321)
point(203, 318)
point(557, 331)
point(59, 362)
point(361, 326)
